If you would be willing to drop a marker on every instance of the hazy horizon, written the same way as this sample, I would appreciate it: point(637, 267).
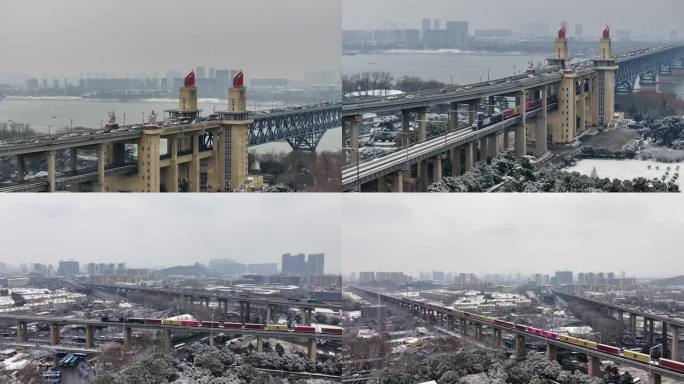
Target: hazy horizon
point(497, 234)
point(263, 37)
point(169, 229)
point(656, 19)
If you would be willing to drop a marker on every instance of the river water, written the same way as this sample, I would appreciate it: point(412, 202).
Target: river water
point(46, 114)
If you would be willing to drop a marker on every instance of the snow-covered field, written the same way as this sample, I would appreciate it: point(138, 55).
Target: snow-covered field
point(627, 169)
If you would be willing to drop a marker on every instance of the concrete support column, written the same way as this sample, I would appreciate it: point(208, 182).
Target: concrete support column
point(492, 146)
point(398, 182)
point(473, 108)
point(506, 139)
point(422, 126)
point(54, 334)
point(307, 316)
point(541, 131)
point(173, 164)
point(22, 332)
point(269, 315)
point(469, 156)
point(405, 128)
point(73, 159)
point(90, 336)
point(248, 314)
point(167, 340)
point(497, 337)
point(583, 109)
point(194, 177)
point(632, 323)
point(101, 160)
point(593, 366)
point(483, 149)
point(260, 344)
point(654, 378)
point(456, 161)
point(242, 312)
point(211, 339)
point(51, 170)
point(437, 169)
point(127, 331)
point(478, 331)
point(676, 353)
point(422, 175)
point(520, 351)
point(521, 129)
point(651, 332)
point(20, 168)
point(453, 117)
point(551, 352)
point(312, 350)
point(463, 324)
point(621, 317)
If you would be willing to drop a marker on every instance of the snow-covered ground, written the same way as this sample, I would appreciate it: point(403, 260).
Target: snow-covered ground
point(627, 169)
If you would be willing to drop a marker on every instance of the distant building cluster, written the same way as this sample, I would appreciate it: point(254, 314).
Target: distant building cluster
point(430, 36)
point(303, 265)
point(235, 268)
point(383, 277)
point(589, 278)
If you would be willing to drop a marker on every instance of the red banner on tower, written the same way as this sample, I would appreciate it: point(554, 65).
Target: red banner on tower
point(239, 80)
point(606, 33)
point(189, 80)
point(562, 33)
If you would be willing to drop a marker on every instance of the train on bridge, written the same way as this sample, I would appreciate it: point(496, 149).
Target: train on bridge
point(609, 349)
point(223, 325)
point(489, 120)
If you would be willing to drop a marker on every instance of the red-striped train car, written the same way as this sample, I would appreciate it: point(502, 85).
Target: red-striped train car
point(671, 364)
point(304, 329)
point(609, 349)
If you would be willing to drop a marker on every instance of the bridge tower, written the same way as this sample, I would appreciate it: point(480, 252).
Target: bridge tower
point(235, 123)
point(562, 56)
point(604, 86)
point(563, 125)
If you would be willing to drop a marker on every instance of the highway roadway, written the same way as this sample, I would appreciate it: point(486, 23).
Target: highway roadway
point(369, 170)
point(650, 368)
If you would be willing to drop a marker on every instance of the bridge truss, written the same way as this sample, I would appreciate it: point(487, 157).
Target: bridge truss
point(302, 129)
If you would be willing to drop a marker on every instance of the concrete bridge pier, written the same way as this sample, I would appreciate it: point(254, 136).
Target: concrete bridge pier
point(453, 117)
point(478, 331)
point(621, 317)
point(73, 159)
point(551, 352)
point(211, 339)
point(632, 323)
point(676, 353)
point(54, 334)
point(521, 129)
point(307, 316)
point(483, 149)
point(422, 125)
point(541, 129)
point(101, 160)
point(51, 170)
point(260, 344)
point(422, 175)
point(470, 156)
point(22, 332)
point(654, 378)
point(312, 350)
point(90, 336)
point(520, 349)
point(492, 146)
point(651, 333)
point(463, 326)
point(127, 331)
point(456, 161)
point(506, 139)
point(497, 338)
point(437, 169)
point(593, 366)
point(20, 168)
point(405, 135)
point(167, 340)
point(269, 314)
point(194, 177)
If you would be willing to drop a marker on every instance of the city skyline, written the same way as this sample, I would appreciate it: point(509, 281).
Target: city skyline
point(223, 34)
point(487, 235)
point(203, 229)
point(376, 14)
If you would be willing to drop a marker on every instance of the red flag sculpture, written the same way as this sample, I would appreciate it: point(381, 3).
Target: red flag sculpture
point(562, 33)
point(606, 33)
point(189, 80)
point(238, 80)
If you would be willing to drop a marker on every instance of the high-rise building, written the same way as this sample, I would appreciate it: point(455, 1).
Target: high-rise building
point(579, 31)
point(315, 264)
point(426, 26)
point(226, 267)
point(68, 268)
point(293, 265)
point(212, 73)
point(435, 24)
point(563, 277)
point(437, 275)
point(265, 269)
point(200, 73)
point(457, 34)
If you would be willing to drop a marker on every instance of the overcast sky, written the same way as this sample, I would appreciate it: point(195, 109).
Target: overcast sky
point(266, 38)
point(495, 233)
point(169, 229)
point(640, 16)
